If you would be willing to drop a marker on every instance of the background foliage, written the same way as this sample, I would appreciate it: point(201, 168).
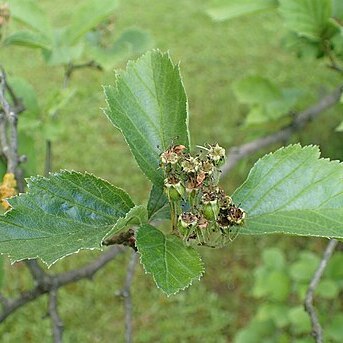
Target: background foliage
point(213, 57)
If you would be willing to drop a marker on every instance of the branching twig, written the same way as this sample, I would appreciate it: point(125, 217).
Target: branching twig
point(316, 328)
point(44, 282)
point(71, 67)
point(50, 282)
point(125, 292)
point(237, 153)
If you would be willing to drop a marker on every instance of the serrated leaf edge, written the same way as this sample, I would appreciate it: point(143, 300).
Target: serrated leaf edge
point(129, 65)
point(62, 171)
point(202, 272)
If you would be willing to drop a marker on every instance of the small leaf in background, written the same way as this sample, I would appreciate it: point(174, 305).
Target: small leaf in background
point(130, 42)
point(148, 105)
point(299, 319)
point(58, 99)
point(274, 258)
point(308, 18)
point(303, 47)
point(256, 90)
point(90, 14)
point(60, 52)
point(52, 126)
point(172, 265)
point(255, 331)
point(60, 215)
point(327, 289)
point(25, 91)
point(29, 13)
point(267, 101)
point(29, 39)
point(275, 312)
point(302, 270)
point(293, 191)
point(334, 329)
point(237, 8)
point(334, 268)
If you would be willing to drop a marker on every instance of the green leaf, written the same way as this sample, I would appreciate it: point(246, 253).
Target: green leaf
point(308, 18)
point(299, 319)
point(130, 42)
point(60, 215)
point(334, 329)
point(328, 289)
point(58, 99)
point(303, 269)
point(89, 15)
point(172, 265)
point(25, 91)
point(334, 268)
point(29, 39)
point(157, 202)
point(256, 90)
point(274, 311)
point(149, 105)
point(237, 8)
point(292, 191)
point(274, 258)
point(29, 13)
point(61, 52)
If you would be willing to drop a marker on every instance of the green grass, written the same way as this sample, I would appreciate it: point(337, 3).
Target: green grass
point(212, 55)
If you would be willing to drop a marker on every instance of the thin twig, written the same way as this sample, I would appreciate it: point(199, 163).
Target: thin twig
point(317, 331)
point(57, 324)
point(237, 153)
point(125, 292)
point(71, 67)
point(9, 143)
point(44, 282)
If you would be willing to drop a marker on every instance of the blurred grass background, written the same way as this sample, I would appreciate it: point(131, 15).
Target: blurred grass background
point(213, 56)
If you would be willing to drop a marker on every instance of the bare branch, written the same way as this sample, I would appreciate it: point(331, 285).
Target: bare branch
point(44, 282)
point(57, 324)
point(125, 292)
point(237, 153)
point(89, 270)
point(71, 67)
point(50, 282)
point(317, 331)
point(9, 143)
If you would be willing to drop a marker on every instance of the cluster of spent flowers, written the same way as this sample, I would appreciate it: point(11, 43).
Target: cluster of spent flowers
point(200, 210)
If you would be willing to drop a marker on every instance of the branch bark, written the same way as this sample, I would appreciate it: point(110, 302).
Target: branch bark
point(237, 153)
point(125, 292)
point(317, 331)
point(45, 283)
point(57, 324)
